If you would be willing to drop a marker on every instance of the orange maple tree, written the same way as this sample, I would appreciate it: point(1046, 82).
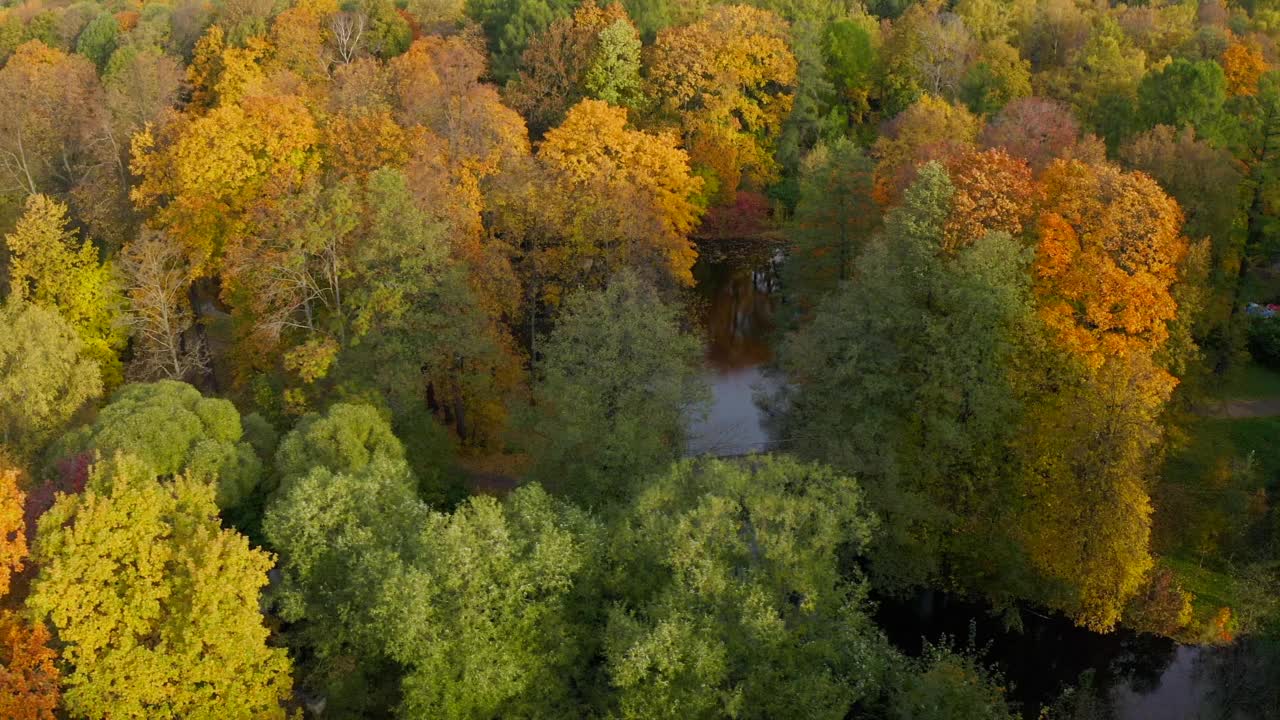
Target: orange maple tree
point(1110, 245)
point(993, 192)
point(1243, 65)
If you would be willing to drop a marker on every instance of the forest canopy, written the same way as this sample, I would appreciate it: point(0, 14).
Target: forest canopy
point(350, 353)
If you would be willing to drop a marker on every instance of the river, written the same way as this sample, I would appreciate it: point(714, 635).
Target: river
point(1127, 675)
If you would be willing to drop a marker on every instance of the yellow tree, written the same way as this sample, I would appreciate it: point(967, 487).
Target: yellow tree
point(1109, 253)
point(203, 176)
point(13, 528)
point(930, 129)
point(729, 79)
point(620, 198)
point(156, 604)
point(49, 266)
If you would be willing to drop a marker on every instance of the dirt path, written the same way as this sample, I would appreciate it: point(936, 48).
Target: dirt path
point(1240, 409)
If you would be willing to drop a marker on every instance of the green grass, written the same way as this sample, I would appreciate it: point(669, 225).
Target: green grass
point(1212, 439)
point(1248, 382)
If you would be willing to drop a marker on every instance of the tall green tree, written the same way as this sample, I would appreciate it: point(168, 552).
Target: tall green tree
point(906, 377)
point(1185, 93)
point(342, 534)
point(509, 24)
point(613, 392)
point(155, 604)
point(486, 620)
point(834, 219)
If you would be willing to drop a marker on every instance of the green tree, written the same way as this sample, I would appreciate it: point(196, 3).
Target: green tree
point(50, 267)
point(614, 73)
point(155, 604)
point(906, 378)
point(171, 429)
point(98, 39)
point(732, 601)
point(509, 24)
point(485, 619)
point(46, 375)
point(613, 393)
point(342, 533)
point(1185, 93)
point(946, 684)
point(345, 439)
point(834, 218)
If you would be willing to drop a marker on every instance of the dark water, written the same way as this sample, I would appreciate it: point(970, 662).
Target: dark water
point(737, 283)
point(1125, 675)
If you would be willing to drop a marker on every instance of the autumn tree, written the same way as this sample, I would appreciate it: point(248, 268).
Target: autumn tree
point(181, 608)
point(1034, 129)
point(993, 193)
point(930, 129)
point(731, 599)
point(554, 69)
point(51, 111)
point(169, 428)
point(472, 138)
point(13, 531)
point(165, 343)
point(204, 177)
point(46, 376)
point(49, 266)
point(1243, 66)
point(613, 393)
point(1109, 253)
point(1110, 247)
point(29, 678)
point(728, 79)
point(622, 198)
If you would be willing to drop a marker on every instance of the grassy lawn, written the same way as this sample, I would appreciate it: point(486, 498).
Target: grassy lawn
point(1215, 438)
point(1249, 382)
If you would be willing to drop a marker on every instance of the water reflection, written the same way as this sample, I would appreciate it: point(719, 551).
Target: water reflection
point(1122, 675)
point(736, 288)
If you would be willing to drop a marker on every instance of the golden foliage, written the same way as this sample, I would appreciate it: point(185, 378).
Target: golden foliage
point(729, 79)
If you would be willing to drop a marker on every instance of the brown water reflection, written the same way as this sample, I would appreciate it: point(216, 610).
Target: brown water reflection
point(737, 281)
point(736, 295)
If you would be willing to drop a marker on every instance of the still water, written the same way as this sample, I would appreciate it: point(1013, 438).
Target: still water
point(736, 300)
point(1125, 675)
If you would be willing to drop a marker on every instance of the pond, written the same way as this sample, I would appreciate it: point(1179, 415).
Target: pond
point(1129, 676)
